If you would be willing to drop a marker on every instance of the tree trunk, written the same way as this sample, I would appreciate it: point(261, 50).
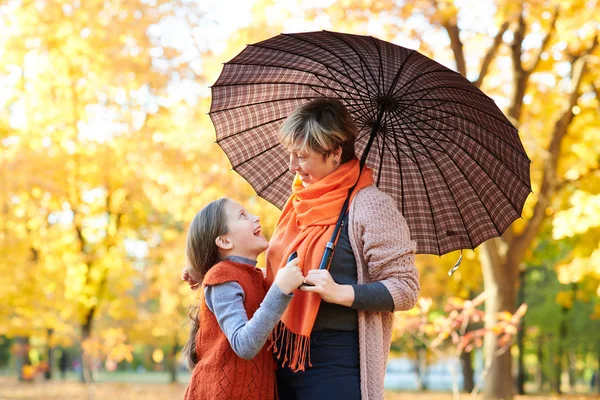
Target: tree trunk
point(172, 360)
point(560, 351)
point(597, 380)
point(556, 382)
point(86, 375)
point(572, 370)
point(521, 338)
point(498, 278)
point(466, 361)
point(50, 355)
point(22, 355)
point(539, 376)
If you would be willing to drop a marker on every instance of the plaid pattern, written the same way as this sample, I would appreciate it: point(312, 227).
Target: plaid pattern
point(443, 150)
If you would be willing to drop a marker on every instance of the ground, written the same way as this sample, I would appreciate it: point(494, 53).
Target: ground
point(11, 389)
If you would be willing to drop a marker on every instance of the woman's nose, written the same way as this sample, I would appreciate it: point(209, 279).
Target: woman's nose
point(256, 218)
point(293, 163)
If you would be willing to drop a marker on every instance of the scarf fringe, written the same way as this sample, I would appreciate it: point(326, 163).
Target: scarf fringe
point(294, 348)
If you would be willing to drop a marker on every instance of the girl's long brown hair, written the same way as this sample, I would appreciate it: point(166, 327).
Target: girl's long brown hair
point(202, 253)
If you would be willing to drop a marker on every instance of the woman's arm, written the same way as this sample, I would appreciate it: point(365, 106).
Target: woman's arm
point(247, 337)
point(386, 247)
point(383, 238)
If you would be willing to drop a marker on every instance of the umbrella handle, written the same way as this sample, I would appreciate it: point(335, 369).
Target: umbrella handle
point(327, 255)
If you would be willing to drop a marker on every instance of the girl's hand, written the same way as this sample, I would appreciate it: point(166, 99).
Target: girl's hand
point(185, 276)
point(289, 277)
point(323, 284)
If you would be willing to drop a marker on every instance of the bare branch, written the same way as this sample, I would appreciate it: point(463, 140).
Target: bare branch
point(491, 53)
point(596, 90)
point(549, 179)
point(516, 46)
point(520, 77)
point(457, 46)
point(568, 182)
point(546, 41)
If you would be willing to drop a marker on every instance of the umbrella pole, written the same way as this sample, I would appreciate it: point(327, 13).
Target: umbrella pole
point(330, 246)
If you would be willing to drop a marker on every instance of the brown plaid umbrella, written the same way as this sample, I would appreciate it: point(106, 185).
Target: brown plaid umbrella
point(438, 145)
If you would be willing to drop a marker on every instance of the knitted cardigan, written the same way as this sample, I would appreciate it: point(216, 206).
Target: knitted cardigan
point(220, 374)
point(384, 252)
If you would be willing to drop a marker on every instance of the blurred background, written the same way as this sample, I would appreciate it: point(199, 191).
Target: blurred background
point(107, 153)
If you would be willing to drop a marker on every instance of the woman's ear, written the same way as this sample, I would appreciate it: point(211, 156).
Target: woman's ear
point(337, 155)
point(223, 243)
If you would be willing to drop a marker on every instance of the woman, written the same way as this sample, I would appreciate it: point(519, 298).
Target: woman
point(333, 341)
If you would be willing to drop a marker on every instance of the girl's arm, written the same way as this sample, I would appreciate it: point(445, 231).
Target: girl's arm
point(247, 337)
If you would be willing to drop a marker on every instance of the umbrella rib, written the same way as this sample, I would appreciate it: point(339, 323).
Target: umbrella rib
point(260, 103)
point(474, 191)
point(309, 58)
point(352, 83)
point(362, 61)
point(380, 76)
point(258, 192)
point(500, 138)
point(426, 192)
point(397, 76)
point(251, 128)
point(409, 140)
point(398, 160)
point(441, 132)
point(341, 89)
point(440, 69)
point(363, 110)
point(430, 89)
point(454, 101)
point(444, 121)
point(359, 138)
point(382, 147)
point(263, 83)
point(255, 156)
point(452, 193)
point(483, 169)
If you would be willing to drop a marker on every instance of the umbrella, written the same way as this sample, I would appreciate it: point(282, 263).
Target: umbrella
point(437, 144)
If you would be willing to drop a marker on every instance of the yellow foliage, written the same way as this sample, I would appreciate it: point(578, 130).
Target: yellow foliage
point(158, 355)
point(565, 299)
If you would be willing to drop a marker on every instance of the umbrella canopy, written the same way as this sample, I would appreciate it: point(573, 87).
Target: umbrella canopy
point(438, 145)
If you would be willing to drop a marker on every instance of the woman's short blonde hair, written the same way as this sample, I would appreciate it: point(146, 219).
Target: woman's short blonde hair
point(322, 125)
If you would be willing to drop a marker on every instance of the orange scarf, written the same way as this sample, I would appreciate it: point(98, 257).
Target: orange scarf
point(306, 224)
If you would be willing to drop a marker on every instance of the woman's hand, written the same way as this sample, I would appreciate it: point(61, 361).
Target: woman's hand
point(324, 285)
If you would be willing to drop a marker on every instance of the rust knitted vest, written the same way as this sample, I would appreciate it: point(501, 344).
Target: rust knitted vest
point(220, 374)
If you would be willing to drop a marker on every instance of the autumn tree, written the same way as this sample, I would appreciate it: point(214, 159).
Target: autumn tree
point(88, 86)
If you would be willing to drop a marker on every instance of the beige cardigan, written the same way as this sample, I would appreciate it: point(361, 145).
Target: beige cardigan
point(384, 252)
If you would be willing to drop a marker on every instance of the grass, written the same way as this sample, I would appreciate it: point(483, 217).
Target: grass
point(155, 386)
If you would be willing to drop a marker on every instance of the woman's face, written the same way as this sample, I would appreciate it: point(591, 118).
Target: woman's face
point(311, 166)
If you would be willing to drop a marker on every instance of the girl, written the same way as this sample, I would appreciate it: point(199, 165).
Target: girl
point(236, 314)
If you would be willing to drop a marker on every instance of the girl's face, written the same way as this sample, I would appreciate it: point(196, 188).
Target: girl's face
point(244, 237)
point(311, 166)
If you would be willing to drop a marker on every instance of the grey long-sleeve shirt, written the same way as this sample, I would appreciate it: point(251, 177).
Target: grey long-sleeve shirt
point(246, 336)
